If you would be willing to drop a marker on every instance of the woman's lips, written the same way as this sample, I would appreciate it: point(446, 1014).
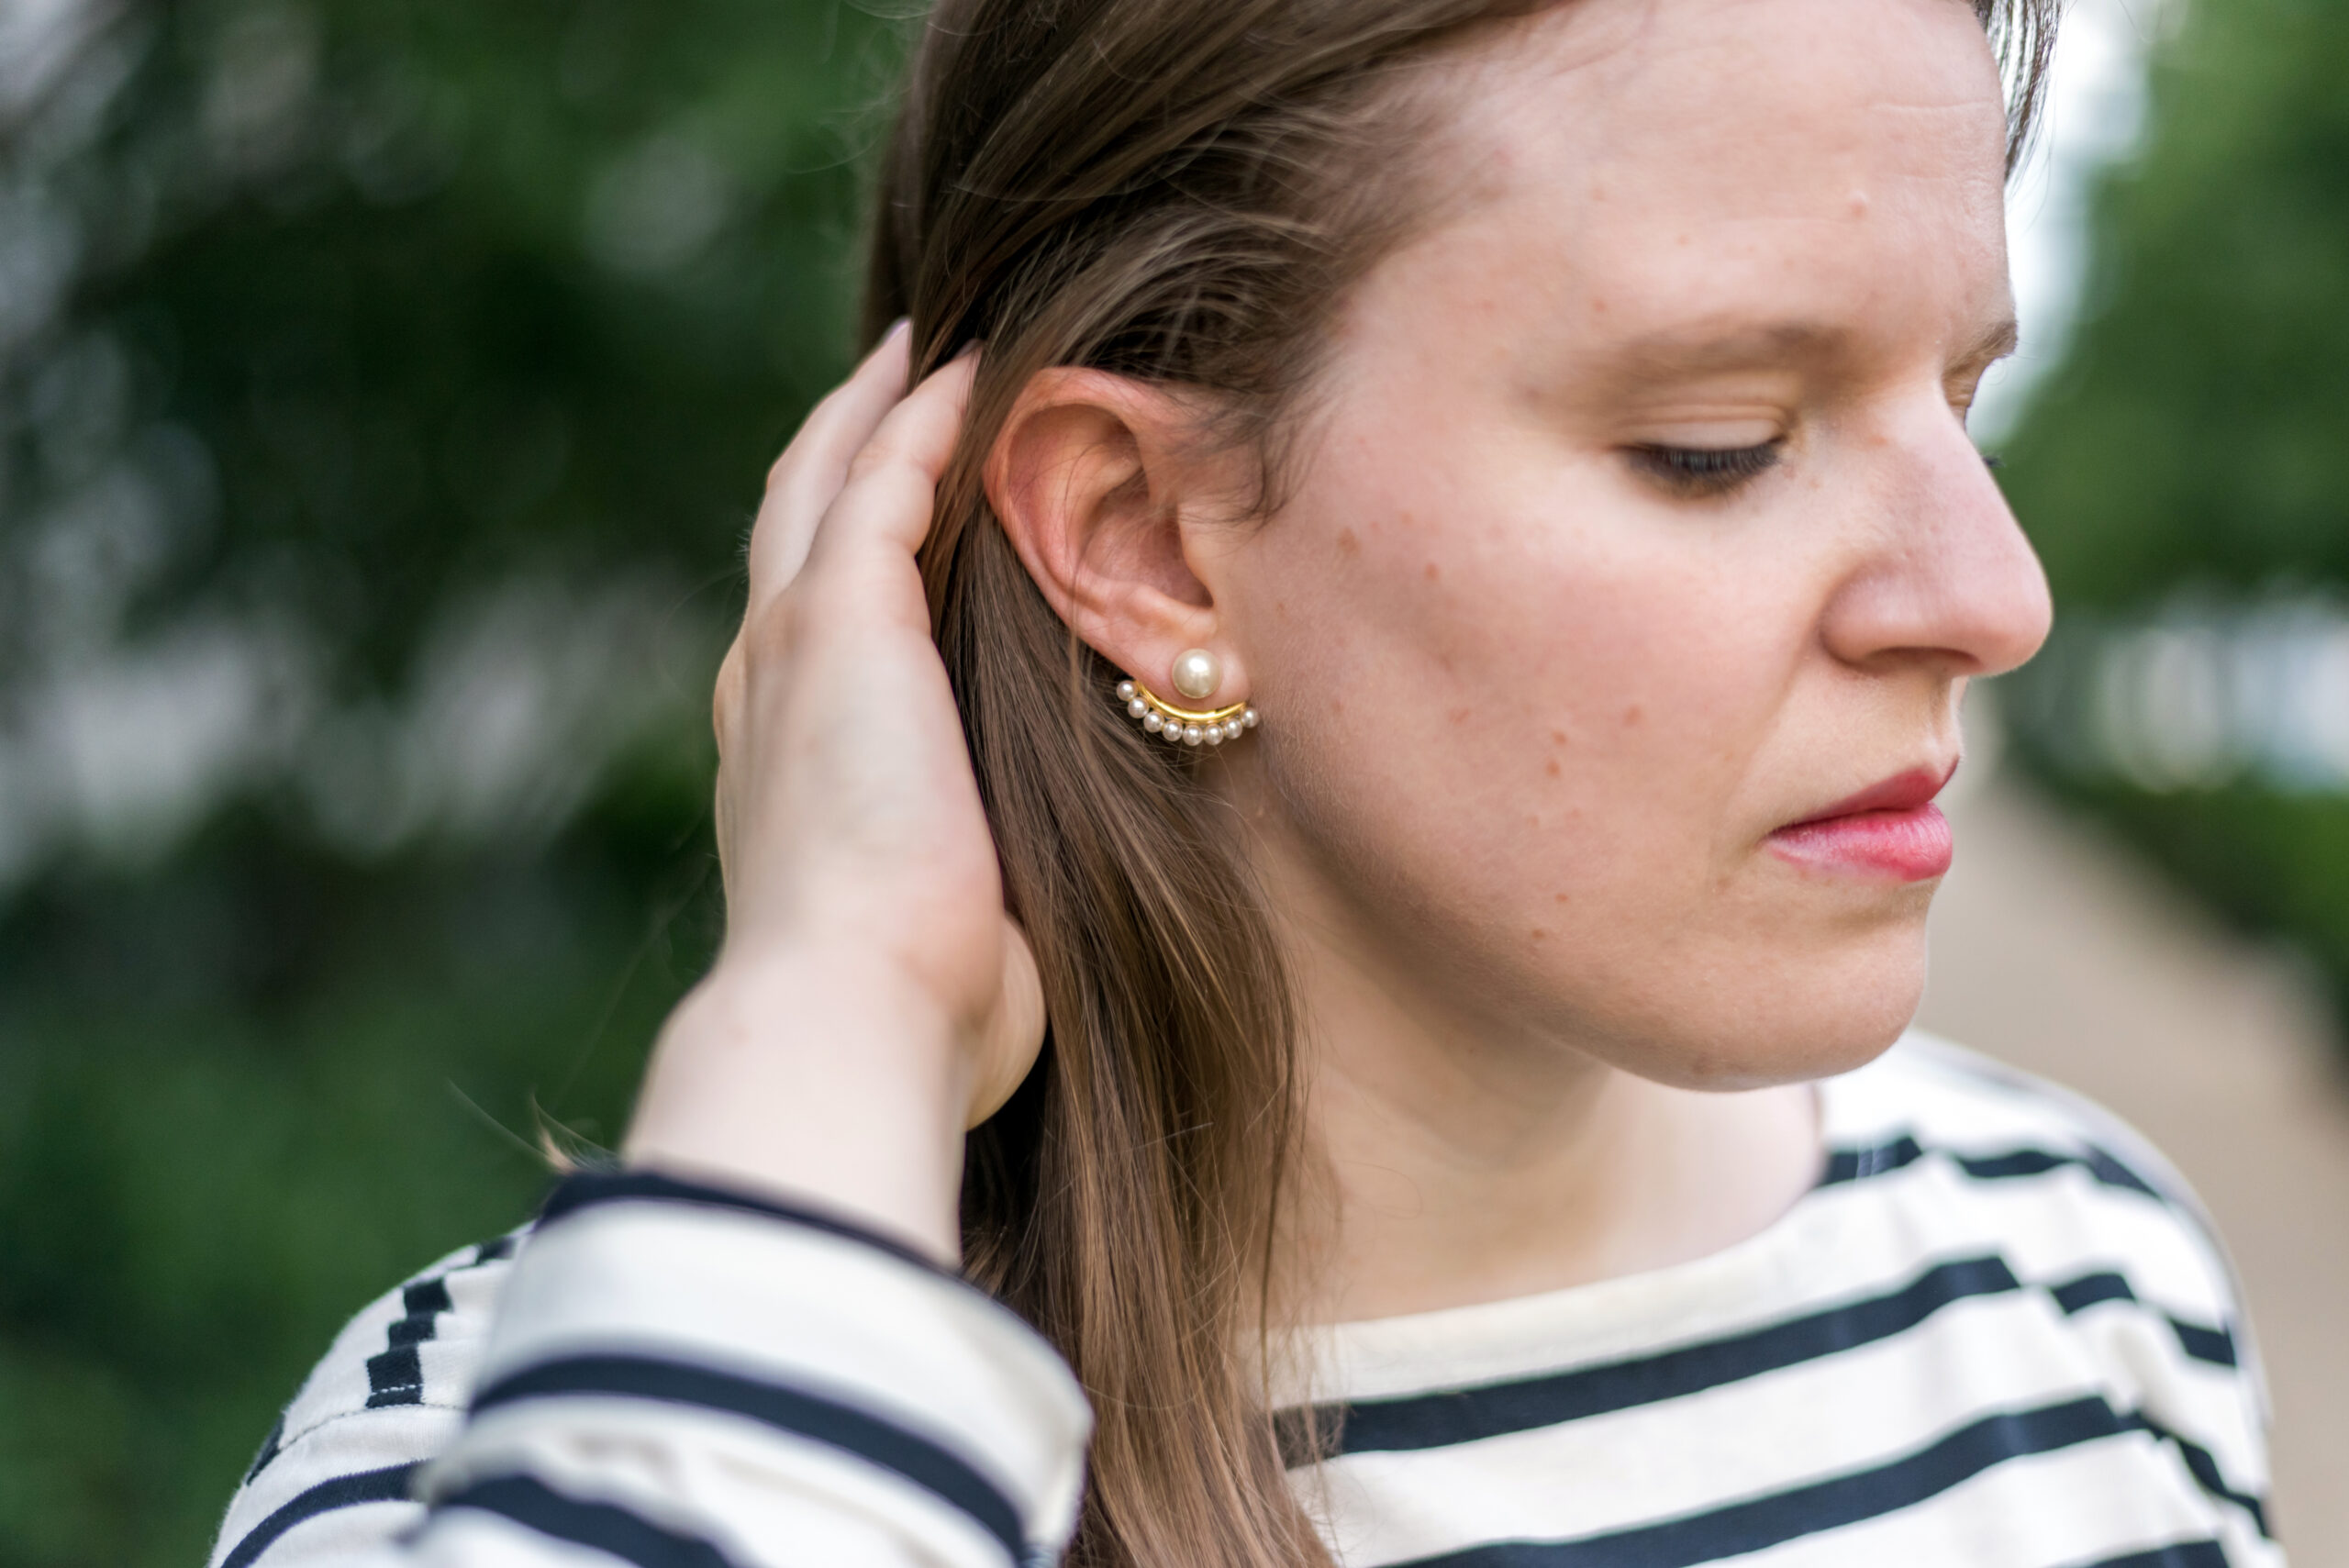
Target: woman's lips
point(1891, 832)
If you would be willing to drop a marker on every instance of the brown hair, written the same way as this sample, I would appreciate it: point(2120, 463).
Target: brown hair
point(1179, 190)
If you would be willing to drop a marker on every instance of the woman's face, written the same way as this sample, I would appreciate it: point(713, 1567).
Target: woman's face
point(1637, 525)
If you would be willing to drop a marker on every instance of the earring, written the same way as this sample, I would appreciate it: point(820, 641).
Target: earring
point(1197, 674)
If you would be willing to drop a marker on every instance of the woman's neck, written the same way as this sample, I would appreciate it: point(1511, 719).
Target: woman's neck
point(1454, 1159)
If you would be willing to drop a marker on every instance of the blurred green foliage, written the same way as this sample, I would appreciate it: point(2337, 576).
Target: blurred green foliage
point(402, 300)
point(2196, 444)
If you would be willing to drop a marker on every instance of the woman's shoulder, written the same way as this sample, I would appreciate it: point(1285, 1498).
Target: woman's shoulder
point(1928, 1097)
point(2079, 1201)
point(388, 1395)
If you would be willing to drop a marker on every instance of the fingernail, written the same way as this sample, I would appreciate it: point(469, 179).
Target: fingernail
point(897, 329)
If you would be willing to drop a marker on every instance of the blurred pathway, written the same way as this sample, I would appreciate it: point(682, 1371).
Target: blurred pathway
point(2056, 950)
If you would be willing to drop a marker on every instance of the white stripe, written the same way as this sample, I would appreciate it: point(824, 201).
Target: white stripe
point(363, 1536)
point(762, 1496)
point(1946, 1096)
point(2053, 1510)
point(364, 1441)
point(467, 1537)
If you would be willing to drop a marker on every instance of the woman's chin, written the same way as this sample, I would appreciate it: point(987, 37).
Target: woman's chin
point(1752, 1019)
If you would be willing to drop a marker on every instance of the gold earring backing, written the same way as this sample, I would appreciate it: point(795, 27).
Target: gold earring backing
point(1185, 726)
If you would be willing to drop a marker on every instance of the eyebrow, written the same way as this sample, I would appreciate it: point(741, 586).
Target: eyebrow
point(1682, 352)
point(1687, 352)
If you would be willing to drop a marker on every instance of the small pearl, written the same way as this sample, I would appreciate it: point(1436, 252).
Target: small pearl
point(1193, 735)
point(1197, 673)
point(1214, 733)
point(1151, 721)
point(1173, 732)
point(1124, 690)
point(1136, 708)
point(1249, 719)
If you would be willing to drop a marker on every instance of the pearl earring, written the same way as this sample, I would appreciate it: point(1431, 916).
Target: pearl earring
point(1197, 674)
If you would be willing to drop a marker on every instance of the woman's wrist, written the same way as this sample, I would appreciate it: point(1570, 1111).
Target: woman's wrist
point(819, 1075)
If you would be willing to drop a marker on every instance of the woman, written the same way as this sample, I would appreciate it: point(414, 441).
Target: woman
point(1439, 611)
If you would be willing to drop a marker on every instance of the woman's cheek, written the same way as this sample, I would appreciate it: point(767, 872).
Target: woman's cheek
point(1574, 747)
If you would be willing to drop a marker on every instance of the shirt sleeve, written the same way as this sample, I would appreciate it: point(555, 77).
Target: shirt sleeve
point(674, 1374)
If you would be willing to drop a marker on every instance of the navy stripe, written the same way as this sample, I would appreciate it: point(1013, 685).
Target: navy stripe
point(1787, 1515)
point(395, 1375)
point(424, 1301)
point(2216, 1346)
point(1858, 1164)
point(1458, 1416)
point(2091, 1290)
point(2182, 1554)
point(2039, 1161)
point(805, 1415)
point(389, 1486)
point(269, 1447)
point(592, 1189)
point(600, 1527)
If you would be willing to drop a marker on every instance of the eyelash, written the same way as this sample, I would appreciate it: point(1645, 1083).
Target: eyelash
point(1706, 471)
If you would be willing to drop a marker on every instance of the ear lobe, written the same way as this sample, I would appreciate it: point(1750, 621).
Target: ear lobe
point(1090, 478)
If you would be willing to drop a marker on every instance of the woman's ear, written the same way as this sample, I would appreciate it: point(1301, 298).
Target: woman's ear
point(1106, 490)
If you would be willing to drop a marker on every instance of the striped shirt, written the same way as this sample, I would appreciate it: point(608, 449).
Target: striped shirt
point(1996, 1334)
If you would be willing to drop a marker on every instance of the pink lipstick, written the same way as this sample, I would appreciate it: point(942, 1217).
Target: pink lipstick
point(1888, 832)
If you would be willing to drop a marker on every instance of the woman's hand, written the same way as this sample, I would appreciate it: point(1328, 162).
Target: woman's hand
point(873, 1000)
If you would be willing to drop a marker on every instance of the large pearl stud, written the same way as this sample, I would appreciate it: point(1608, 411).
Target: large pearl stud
point(1198, 674)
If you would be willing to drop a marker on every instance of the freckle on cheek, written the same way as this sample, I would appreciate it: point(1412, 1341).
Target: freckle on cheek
point(1432, 572)
point(1634, 715)
point(1347, 544)
point(1554, 769)
point(1539, 934)
point(1557, 737)
point(1459, 714)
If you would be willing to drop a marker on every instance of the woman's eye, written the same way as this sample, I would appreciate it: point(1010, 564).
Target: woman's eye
point(1705, 471)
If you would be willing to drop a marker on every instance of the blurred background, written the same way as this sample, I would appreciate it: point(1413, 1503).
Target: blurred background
point(386, 387)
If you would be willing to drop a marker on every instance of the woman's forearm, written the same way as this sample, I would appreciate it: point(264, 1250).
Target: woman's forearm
point(822, 1075)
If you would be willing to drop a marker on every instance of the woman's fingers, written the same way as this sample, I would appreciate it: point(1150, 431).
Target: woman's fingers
point(891, 485)
point(809, 473)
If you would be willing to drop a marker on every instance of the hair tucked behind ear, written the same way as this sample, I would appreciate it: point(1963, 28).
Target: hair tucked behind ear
point(1179, 190)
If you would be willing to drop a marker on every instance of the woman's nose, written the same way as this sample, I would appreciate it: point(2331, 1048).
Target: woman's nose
point(1946, 575)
